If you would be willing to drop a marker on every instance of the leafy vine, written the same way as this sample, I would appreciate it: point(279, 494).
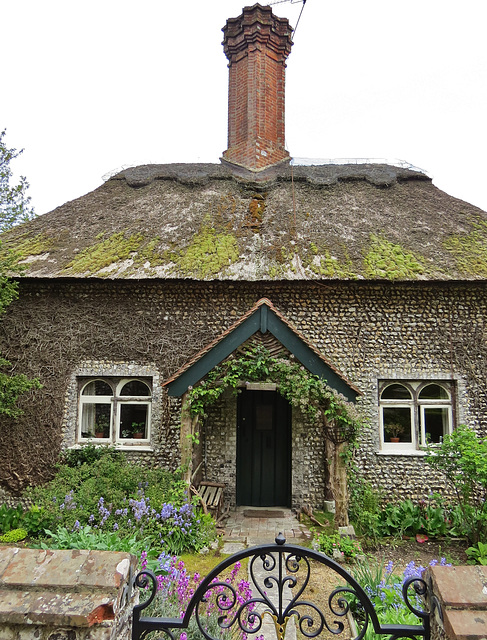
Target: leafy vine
point(302, 389)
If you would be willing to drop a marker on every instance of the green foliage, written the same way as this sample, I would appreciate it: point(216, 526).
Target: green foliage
point(14, 535)
point(11, 388)
point(384, 589)
point(93, 539)
point(348, 547)
point(10, 517)
point(374, 519)
point(364, 505)
point(101, 492)
point(34, 519)
point(15, 205)
point(14, 209)
point(477, 554)
point(462, 459)
point(89, 453)
point(105, 252)
point(388, 260)
point(110, 475)
point(301, 388)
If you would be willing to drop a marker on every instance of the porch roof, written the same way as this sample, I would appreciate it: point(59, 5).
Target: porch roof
point(264, 317)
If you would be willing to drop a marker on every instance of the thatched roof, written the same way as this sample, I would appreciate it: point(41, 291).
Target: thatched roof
point(201, 221)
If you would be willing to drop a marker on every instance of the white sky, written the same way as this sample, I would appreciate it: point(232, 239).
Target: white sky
point(89, 87)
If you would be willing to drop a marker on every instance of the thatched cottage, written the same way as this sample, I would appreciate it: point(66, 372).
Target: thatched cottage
point(367, 274)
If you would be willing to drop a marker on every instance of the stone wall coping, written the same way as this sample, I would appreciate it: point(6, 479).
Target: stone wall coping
point(63, 587)
point(466, 625)
point(461, 587)
point(462, 598)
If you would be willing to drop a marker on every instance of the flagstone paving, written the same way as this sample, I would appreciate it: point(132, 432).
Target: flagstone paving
point(252, 531)
point(242, 531)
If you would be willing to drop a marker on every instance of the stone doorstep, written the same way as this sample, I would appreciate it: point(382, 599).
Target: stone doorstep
point(55, 609)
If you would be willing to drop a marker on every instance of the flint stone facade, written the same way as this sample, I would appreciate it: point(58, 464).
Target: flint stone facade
point(371, 332)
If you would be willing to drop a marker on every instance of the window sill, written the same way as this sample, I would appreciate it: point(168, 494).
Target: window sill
point(117, 447)
point(416, 453)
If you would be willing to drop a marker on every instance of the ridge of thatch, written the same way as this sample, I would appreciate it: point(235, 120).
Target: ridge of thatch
point(200, 221)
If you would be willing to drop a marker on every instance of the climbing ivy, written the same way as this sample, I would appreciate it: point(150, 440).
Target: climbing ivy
point(302, 389)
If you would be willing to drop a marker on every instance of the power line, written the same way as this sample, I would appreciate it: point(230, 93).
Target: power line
point(292, 2)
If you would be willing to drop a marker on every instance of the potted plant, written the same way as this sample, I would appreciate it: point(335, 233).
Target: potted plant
point(138, 429)
point(394, 430)
point(101, 426)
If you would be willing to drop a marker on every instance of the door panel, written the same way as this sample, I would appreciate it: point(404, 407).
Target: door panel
point(263, 449)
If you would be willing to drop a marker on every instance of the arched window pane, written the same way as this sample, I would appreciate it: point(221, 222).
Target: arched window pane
point(396, 392)
point(97, 388)
point(434, 392)
point(135, 388)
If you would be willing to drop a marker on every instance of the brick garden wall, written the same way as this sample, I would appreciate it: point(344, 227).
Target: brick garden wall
point(61, 329)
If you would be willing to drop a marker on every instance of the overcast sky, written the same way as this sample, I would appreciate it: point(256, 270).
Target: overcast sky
point(89, 87)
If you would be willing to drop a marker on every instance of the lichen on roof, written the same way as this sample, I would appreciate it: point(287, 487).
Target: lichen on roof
point(334, 222)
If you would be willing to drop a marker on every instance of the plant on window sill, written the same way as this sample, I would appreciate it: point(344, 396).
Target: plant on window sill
point(101, 427)
point(136, 430)
point(394, 430)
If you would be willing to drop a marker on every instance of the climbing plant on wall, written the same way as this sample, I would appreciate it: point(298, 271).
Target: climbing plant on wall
point(302, 389)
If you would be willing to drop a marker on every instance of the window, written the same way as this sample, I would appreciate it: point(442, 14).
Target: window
point(115, 410)
point(413, 414)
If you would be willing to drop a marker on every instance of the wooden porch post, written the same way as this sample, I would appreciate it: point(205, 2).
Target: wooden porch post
point(338, 480)
point(189, 426)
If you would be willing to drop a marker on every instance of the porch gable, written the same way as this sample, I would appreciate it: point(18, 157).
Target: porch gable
point(263, 317)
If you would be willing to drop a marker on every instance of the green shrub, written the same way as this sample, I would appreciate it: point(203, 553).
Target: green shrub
point(88, 538)
point(10, 517)
point(74, 493)
point(87, 454)
point(14, 535)
point(477, 554)
point(347, 547)
point(109, 495)
point(364, 505)
point(462, 459)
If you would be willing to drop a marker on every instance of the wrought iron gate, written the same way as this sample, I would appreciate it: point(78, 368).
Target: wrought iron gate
point(280, 578)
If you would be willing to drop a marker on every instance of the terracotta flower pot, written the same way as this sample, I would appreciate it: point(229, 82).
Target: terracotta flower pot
point(138, 435)
point(396, 439)
point(99, 434)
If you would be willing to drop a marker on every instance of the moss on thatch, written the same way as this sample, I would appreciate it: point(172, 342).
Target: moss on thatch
point(385, 259)
point(202, 222)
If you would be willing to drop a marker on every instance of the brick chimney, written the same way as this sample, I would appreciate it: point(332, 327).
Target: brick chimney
point(256, 44)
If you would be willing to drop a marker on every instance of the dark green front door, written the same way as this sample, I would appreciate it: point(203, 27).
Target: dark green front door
point(263, 449)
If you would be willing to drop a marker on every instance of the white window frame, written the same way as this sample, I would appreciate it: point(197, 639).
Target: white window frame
point(417, 407)
point(116, 401)
point(399, 404)
point(432, 404)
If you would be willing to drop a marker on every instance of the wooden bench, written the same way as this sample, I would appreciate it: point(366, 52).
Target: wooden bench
point(211, 495)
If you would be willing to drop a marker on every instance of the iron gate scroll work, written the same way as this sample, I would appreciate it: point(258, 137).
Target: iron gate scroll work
point(280, 577)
